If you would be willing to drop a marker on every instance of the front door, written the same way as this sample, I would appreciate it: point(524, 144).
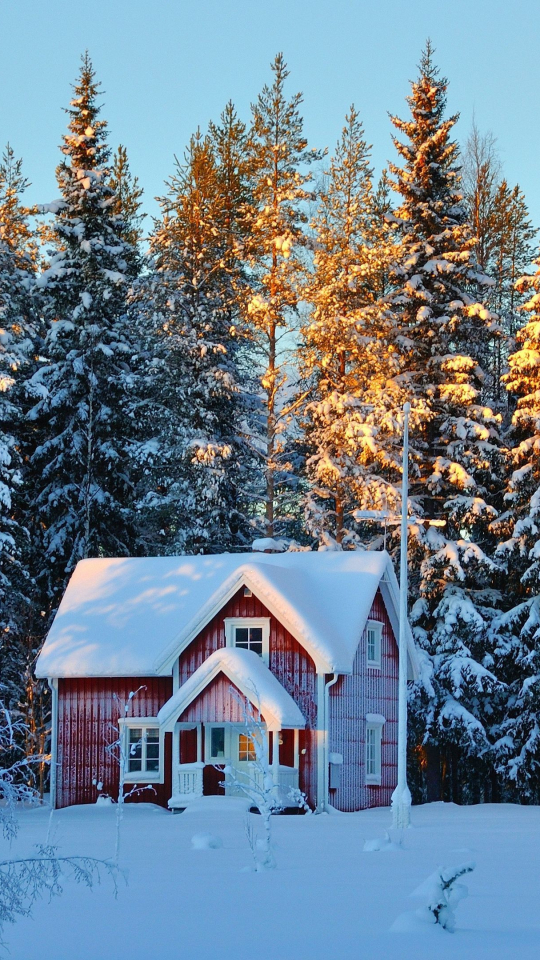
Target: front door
point(227, 744)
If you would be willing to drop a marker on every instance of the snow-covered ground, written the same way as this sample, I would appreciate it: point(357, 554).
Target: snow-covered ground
point(328, 897)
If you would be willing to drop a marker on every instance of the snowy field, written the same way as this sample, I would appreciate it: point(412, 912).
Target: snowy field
point(328, 897)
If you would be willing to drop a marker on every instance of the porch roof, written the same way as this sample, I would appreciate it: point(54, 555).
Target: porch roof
point(251, 676)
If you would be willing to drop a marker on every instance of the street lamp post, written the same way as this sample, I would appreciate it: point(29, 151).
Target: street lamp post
point(401, 797)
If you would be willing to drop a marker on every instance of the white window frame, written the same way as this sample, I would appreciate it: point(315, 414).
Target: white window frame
point(374, 663)
point(374, 726)
point(143, 775)
point(231, 623)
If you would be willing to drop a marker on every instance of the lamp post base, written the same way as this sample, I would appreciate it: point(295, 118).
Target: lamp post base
point(401, 808)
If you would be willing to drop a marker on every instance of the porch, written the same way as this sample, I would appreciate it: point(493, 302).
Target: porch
point(212, 759)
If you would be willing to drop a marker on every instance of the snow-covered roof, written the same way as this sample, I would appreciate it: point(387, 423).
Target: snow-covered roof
point(252, 677)
point(132, 616)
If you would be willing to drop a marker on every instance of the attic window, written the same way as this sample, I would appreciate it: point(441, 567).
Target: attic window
point(249, 633)
point(247, 592)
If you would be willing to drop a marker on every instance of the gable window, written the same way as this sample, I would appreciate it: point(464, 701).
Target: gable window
point(143, 752)
point(374, 726)
point(249, 638)
point(373, 643)
point(249, 633)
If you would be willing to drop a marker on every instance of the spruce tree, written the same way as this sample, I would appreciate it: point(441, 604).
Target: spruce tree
point(441, 335)
point(517, 631)
point(345, 357)
point(279, 159)
point(193, 409)
point(18, 331)
point(81, 467)
point(128, 197)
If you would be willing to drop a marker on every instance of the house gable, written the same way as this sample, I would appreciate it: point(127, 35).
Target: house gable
point(217, 703)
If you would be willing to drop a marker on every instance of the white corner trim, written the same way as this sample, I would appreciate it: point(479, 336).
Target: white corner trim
point(53, 684)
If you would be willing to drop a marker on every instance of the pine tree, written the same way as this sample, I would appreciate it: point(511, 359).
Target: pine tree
point(17, 336)
point(279, 158)
point(128, 197)
point(442, 330)
point(504, 235)
point(191, 494)
point(517, 631)
point(345, 356)
point(81, 467)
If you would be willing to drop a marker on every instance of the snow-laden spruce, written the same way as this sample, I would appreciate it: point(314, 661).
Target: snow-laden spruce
point(18, 331)
point(192, 410)
point(81, 467)
point(274, 257)
point(350, 419)
point(440, 329)
point(517, 632)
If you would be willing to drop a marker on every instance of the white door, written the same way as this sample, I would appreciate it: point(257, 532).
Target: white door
point(230, 745)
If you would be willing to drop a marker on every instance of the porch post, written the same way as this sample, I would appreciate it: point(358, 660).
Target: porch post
point(199, 743)
point(275, 759)
point(296, 761)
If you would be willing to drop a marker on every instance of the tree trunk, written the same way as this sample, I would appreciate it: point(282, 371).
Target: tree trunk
point(433, 773)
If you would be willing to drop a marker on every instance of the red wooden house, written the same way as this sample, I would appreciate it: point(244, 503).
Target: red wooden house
point(308, 638)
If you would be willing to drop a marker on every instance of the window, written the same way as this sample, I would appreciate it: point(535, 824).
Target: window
point(249, 638)
point(143, 751)
point(249, 633)
point(374, 727)
point(373, 643)
point(371, 752)
point(217, 743)
point(246, 748)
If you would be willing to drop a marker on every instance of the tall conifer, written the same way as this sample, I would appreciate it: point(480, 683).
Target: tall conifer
point(345, 354)
point(279, 161)
point(193, 411)
point(81, 468)
point(18, 330)
point(455, 438)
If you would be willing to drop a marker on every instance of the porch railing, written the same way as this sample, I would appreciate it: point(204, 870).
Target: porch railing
point(188, 784)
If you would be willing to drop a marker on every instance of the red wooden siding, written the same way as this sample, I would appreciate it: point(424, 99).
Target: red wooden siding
point(290, 663)
point(367, 690)
point(216, 704)
point(87, 715)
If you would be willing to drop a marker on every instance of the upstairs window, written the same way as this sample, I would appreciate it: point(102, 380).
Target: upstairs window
point(249, 633)
point(373, 643)
point(249, 638)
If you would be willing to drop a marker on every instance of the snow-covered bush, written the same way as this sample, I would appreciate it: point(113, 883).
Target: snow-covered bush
point(24, 880)
point(443, 895)
point(258, 785)
point(206, 841)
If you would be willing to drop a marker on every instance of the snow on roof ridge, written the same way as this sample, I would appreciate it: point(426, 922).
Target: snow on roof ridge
point(253, 678)
point(133, 616)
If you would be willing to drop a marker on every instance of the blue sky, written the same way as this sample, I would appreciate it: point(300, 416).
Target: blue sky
point(168, 66)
